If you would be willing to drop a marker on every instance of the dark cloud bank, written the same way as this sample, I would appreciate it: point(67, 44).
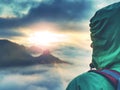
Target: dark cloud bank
point(60, 12)
point(57, 11)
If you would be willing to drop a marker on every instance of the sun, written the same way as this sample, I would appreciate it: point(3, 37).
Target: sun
point(45, 38)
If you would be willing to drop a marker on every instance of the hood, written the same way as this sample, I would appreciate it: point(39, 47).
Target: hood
point(105, 36)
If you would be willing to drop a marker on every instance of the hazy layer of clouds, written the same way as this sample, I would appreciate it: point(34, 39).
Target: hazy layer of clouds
point(45, 77)
point(71, 53)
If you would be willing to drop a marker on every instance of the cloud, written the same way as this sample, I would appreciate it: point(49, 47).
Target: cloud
point(102, 3)
point(9, 34)
point(74, 26)
point(61, 10)
point(68, 14)
point(45, 77)
point(36, 88)
point(56, 11)
point(12, 79)
point(71, 53)
point(15, 8)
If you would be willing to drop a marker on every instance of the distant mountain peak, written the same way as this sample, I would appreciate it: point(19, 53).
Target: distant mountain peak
point(13, 54)
point(46, 52)
point(47, 58)
point(4, 41)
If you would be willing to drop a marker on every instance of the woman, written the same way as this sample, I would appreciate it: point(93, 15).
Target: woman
point(105, 36)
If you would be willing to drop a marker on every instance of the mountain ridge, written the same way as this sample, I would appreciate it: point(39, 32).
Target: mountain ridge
point(13, 54)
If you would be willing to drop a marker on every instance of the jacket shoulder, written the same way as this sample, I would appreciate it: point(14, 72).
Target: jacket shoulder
point(89, 81)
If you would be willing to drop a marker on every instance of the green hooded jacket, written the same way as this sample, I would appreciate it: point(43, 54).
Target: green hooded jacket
point(105, 36)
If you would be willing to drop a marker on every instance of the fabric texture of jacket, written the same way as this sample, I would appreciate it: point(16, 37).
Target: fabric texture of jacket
point(105, 36)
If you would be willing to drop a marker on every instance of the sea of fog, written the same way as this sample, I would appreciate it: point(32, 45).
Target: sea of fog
point(45, 77)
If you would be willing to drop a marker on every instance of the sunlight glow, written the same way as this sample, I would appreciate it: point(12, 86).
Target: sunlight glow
point(45, 38)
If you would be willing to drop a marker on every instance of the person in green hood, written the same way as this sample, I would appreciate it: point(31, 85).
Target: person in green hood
point(105, 36)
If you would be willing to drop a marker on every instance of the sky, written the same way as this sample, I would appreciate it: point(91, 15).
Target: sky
point(66, 20)
point(59, 25)
point(49, 23)
point(21, 21)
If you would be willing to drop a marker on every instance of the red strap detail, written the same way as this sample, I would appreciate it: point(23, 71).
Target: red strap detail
point(111, 79)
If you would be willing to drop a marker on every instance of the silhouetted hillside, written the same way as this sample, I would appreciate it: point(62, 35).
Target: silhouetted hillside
point(47, 58)
point(13, 54)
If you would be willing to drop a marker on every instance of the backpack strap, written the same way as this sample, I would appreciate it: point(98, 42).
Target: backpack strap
point(111, 75)
point(118, 88)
